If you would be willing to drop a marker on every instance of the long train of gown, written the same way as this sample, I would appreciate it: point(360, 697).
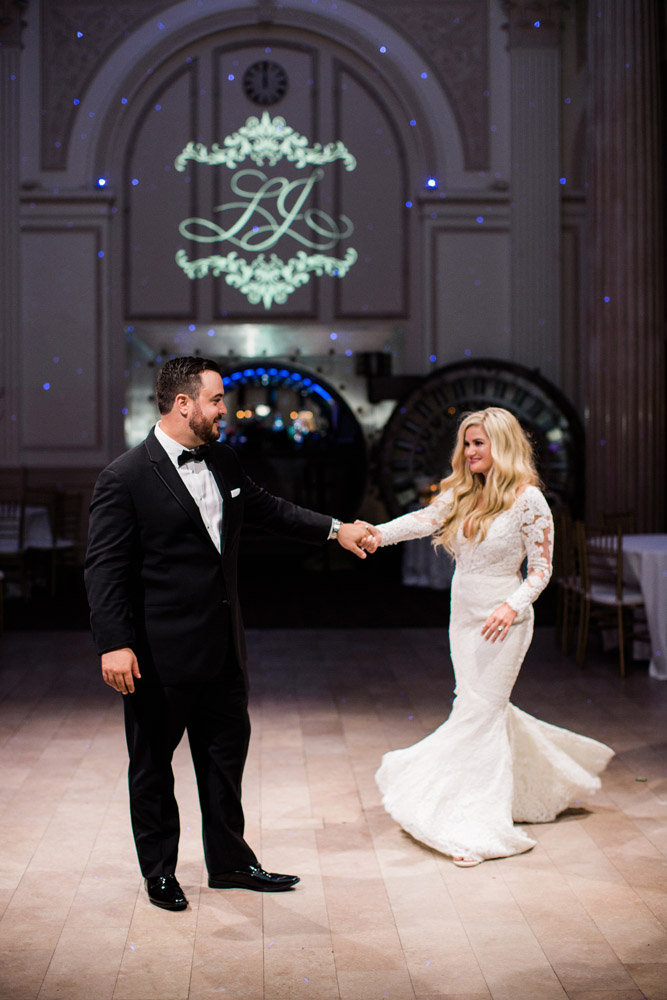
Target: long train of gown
point(461, 788)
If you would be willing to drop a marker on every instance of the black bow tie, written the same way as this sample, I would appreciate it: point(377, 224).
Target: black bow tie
point(198, 454)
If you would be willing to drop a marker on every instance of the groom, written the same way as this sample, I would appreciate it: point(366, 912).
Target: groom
point(161, 576)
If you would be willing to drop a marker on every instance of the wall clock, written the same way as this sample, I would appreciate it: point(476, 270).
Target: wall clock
point(265, 82)
point(419, 437)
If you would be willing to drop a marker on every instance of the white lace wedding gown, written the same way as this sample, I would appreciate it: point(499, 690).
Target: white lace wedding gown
point(460, 789)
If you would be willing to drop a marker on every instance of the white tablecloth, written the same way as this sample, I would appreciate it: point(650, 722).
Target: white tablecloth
point(36, 531)
point(645, 556)
point(37, 528)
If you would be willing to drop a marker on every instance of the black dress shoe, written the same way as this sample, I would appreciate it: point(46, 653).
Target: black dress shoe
point(164, 891)
point(252, 877)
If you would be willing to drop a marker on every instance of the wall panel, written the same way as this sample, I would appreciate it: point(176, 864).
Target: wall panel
point(61, 363)
point(470, 294)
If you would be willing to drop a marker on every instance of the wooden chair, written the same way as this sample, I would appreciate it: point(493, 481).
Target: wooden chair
point(604, 596)
point(567, 577)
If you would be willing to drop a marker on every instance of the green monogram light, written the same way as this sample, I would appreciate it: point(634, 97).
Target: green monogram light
point(267, 278)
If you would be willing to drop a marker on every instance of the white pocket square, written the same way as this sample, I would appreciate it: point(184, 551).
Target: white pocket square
point(236, 492)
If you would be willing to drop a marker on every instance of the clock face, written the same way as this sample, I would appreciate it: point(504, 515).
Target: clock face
point(265, 82)
point(421, 433)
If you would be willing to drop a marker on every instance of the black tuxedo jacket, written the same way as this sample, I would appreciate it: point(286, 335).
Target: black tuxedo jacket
point(156, 582)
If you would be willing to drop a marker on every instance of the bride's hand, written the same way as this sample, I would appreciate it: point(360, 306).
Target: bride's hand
point(374, 540)
point(498, 623)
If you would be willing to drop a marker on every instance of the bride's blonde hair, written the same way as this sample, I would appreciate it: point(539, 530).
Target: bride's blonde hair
point(513, 467)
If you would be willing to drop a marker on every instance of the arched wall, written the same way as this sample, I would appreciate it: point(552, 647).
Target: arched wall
point(454, 271)
point(400, 68)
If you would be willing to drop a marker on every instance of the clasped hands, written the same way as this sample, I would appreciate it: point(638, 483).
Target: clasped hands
point(360, 538)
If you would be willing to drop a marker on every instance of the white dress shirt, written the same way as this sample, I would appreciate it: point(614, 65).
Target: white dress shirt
point(200, 483)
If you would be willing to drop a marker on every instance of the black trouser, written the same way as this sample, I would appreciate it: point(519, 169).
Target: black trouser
point(215, 714)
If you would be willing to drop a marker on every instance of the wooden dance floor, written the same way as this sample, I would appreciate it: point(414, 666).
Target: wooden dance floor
point(377, 915)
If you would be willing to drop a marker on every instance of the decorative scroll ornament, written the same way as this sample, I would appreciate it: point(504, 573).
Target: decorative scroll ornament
point(266, 211)
point(267, 281)
point(265, 140)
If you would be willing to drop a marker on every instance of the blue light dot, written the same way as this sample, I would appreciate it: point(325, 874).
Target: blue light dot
point(76, 102)
point(537, 24)
point(424, 76)
point(408, 204)
point(603, 442)
point(563, 180)
point(383, 49)
point(607, 299)
point(230, 77)
point(135, 181)
point(125, 411)
point(267, 50)
point(480, 218)
point(160, 26)
point(123, 100)
point(100, 253)
point(568, 100)
point(158, 107)
point(333, 336)
point(101, 182)
point(348, 353)
point(413, 122)
point(56, 360)
point(47, 386)
point(467, 352)
point(431, 182)
point(433, 357)
point(192, 328)
point(79, 34)
point(211, 333)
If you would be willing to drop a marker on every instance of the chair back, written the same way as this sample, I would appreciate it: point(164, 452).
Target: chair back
point(600, 554)
point(67, 514)
point(12, 519)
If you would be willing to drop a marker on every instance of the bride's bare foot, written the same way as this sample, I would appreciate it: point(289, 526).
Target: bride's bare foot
point(466, 862)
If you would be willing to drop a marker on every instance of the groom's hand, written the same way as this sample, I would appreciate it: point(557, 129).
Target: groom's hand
point(352, 538)
point(119, 669)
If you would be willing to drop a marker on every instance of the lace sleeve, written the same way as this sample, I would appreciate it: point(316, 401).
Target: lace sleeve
point(537, 531)
point(418, 523)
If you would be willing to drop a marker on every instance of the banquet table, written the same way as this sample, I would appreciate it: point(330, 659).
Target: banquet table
point(645, 561)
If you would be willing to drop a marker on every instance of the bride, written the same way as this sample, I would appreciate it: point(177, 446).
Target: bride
point(461, 789)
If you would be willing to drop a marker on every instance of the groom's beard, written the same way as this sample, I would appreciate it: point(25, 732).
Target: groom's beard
point(206, 430)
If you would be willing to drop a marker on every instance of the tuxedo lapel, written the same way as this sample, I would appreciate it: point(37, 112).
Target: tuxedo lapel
point(164, 469)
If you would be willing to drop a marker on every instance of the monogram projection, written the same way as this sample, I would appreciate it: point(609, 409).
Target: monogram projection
point(269, 209)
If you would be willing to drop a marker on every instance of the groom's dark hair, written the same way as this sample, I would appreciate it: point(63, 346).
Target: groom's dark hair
point(181, 375)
